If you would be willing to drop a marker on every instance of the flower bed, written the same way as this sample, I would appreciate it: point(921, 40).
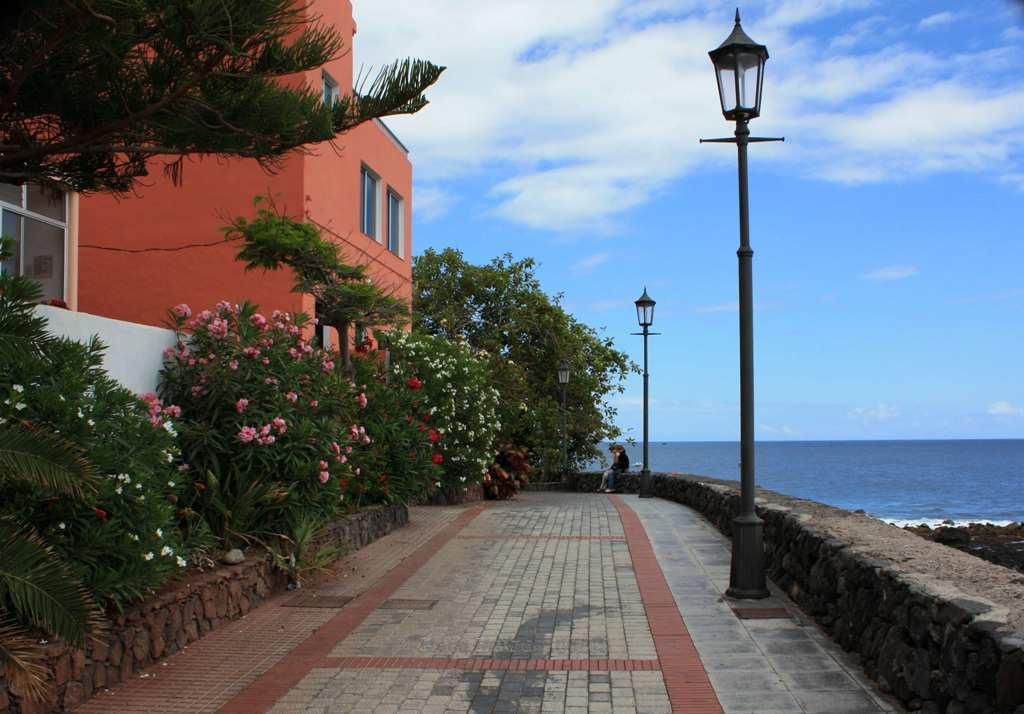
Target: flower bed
point(179, 614)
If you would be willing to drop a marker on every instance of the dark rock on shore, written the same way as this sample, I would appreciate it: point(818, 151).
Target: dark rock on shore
point(1002, 545)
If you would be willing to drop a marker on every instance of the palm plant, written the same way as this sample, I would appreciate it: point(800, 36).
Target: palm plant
point(38, 591)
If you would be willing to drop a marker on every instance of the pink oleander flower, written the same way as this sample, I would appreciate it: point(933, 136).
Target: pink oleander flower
point(246, 434)
point(366, 440)
point(156, 420)
point(205, 316)
point(270, 380)
point(291, 396)
point(172, 410)
point(293, 329)
point(353, 431)
point(182, 467)
point(356, 471)
point(233, 365)
point(218, 327)
point(198, 390)
point(251, 352)
point(314, 403)
point(223, 306)
point(259, 321)
point(241, 405)
point(341, 459)
point(267, 440)
point(280, 424)
point(348, 449)
point(323, 465)
point(183, 311)
point(328, 365)
point(265, 430)
point(361, 400)
point(168, 352)
point(265, 360)
point(325, 476)
point(191, 361)
point(266, 341)
point(202, 361)
point(295, 354)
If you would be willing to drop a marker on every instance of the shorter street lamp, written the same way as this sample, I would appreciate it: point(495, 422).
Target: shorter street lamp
point(645, 316)
point(563, 381)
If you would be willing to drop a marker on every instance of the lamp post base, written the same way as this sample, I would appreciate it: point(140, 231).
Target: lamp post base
point(645, 484)
point(746, 573)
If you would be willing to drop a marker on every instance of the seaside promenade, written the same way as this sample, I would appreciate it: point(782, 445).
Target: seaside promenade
point(551, 602)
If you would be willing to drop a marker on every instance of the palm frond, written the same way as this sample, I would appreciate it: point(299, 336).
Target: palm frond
point(41, 590)
point(45, 460)
point(22, 660)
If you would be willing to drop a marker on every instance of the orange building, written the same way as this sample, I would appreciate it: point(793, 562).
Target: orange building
point(360, 194)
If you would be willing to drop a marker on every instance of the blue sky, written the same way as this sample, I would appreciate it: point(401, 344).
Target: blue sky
point(887, 230)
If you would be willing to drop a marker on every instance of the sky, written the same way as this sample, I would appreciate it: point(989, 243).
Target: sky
point(887, 229)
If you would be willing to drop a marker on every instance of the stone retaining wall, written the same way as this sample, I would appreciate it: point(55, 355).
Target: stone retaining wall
point(178, 615)
point(936, 648)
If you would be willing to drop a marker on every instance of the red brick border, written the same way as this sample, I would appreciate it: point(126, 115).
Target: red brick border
point(689, 688)
point(263, 693)
point(478, 664)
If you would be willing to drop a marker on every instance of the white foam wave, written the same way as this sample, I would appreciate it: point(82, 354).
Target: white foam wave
point(939, 522)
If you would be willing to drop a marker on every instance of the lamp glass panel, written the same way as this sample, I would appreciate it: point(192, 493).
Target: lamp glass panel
point(749, 67)
point(727, 82)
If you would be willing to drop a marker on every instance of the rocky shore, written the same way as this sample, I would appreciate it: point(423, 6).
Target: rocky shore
point(1002, 545)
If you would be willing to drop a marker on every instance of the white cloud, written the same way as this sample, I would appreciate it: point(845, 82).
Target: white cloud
point(782, 430)
point(585, 265)
point(1003, 408)
point(891, 272)
point(431, 202)
point(938, 19)
point(721, 307)
point(880, 413)
point(574, 112)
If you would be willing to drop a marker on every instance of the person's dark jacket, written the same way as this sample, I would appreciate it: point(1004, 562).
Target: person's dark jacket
point(622, 463)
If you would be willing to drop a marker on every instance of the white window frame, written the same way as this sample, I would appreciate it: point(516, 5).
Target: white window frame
point(25, 213)
point(329, 88)
point(378, 213)
point(400, 248)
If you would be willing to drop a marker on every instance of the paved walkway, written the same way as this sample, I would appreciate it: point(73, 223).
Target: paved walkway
point(549, 603)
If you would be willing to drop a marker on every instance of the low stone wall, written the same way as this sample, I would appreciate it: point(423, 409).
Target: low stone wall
point(178, 615)
point(935, 648)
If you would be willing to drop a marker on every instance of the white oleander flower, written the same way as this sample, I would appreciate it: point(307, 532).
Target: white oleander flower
point(166, 550)
point(159, 532)
point(17, 388)
point(148, 556)
point(181, 561)
point(171, 484)
point(62, 525)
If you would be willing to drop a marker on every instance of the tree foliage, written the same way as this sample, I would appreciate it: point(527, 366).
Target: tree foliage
point(500, 309)
point(89, 91)
point(344, 293)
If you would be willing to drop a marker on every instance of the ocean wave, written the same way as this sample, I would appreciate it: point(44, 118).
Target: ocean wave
point(939, 522)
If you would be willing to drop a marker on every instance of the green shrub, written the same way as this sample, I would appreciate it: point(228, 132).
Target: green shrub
point(121, 537)
point(399, 466)
point(456, 395)
point(269, 423)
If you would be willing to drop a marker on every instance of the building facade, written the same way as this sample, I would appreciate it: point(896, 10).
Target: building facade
point(140, 255)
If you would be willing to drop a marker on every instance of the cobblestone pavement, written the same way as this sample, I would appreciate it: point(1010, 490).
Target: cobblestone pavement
point(549, 603)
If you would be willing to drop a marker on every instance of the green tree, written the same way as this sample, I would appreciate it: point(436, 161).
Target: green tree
point(89, 91)
point(344, 294)
point(501, 310)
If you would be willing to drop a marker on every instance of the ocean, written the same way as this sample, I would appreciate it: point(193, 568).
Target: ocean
point(902, 482)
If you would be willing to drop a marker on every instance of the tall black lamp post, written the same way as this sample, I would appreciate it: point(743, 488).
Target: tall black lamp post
point(739, 69)
point(563, 381)
point(645, 316)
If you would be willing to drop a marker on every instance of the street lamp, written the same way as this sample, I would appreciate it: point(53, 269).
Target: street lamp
point(739, 71)
point(563, 380)
point(645, 316)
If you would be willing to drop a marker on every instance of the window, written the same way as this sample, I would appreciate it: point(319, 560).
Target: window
point(330, 90)
point(35, 218)
point(368, 214)
point(396, 224)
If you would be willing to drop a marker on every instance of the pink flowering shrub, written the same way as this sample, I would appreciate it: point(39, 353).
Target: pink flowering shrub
point(268, 424)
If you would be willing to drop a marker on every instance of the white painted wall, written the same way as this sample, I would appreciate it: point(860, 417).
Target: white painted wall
point(134, 352)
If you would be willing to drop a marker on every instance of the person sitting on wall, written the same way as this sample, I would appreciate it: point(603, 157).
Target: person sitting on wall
point(620, 464)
